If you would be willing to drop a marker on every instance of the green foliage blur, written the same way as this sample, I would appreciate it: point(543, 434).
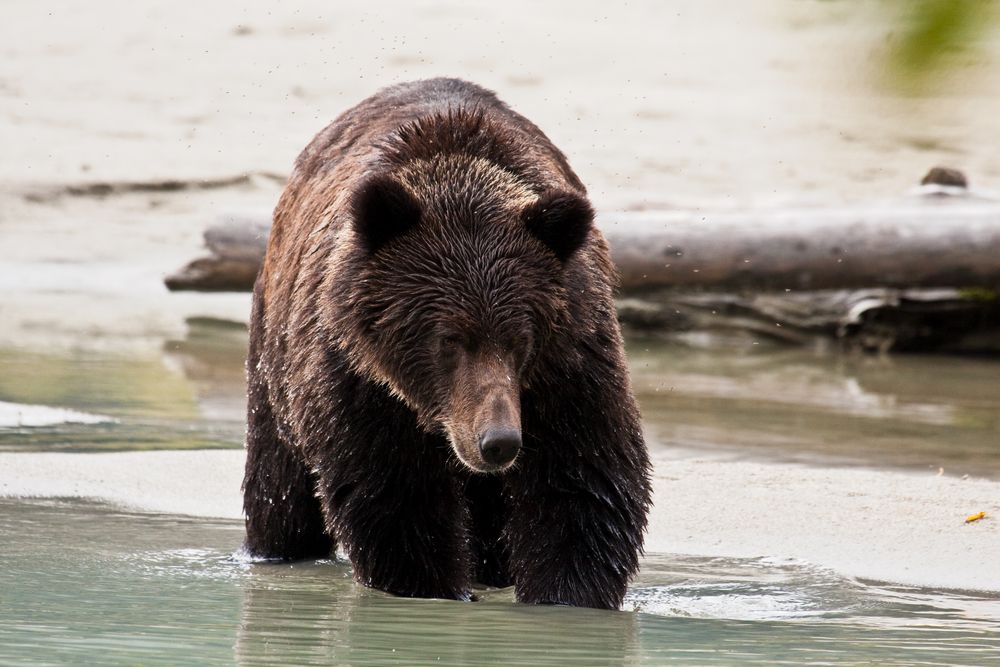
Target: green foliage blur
point(936, 37)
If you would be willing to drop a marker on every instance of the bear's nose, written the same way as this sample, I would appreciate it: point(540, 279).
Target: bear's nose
point(499, 446)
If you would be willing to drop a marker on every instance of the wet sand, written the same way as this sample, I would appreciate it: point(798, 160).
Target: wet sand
point(888, 526)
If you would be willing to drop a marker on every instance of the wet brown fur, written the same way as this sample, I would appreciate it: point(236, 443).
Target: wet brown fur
point(432, 271)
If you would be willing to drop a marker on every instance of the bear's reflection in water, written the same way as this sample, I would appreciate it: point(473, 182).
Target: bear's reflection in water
point(314, 614)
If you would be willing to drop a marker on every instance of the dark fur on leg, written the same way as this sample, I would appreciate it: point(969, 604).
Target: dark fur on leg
point(487, 514)
point(390, 496)
point(580, 498)
point(283, 517)
point(402, 537)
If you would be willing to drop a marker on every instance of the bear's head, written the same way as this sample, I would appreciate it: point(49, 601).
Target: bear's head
point(457, 285)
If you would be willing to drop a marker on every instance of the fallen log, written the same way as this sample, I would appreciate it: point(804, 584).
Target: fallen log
point(921, 242)
point(916, 275)
point(922, 245)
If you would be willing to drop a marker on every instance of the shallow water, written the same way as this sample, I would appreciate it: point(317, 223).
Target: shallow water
point(82, 583)
point(746, 400)
point(750, 400)
point(187, 394)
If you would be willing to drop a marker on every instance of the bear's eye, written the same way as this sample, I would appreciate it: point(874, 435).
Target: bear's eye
point(450, 343)
point(524, 349)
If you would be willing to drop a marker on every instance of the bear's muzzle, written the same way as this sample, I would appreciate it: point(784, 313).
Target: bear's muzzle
point(499, 446)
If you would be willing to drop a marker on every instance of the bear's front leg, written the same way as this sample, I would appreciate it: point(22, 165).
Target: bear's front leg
point(400, 516)
point(575, 535)
point(580, 495)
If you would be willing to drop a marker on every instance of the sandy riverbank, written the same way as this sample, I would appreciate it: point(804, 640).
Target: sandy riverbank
point(165, 104)
point(656, 104)
point(890, 526)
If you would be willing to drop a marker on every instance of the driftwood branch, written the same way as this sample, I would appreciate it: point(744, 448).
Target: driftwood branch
point(923, 242)
point(875, 319)
point(236, 244)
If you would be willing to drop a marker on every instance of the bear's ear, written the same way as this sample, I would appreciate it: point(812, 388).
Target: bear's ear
point(383, 209)
point(560, 220)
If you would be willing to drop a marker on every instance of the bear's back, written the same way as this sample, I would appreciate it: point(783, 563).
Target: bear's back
point(381, 133)
point(357, 130)
point(361, 134)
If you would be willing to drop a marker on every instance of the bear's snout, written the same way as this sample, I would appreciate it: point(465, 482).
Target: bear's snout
point(483, 417)
point(499, 446)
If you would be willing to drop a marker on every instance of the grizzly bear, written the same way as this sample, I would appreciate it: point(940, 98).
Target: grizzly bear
point(437, 380)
